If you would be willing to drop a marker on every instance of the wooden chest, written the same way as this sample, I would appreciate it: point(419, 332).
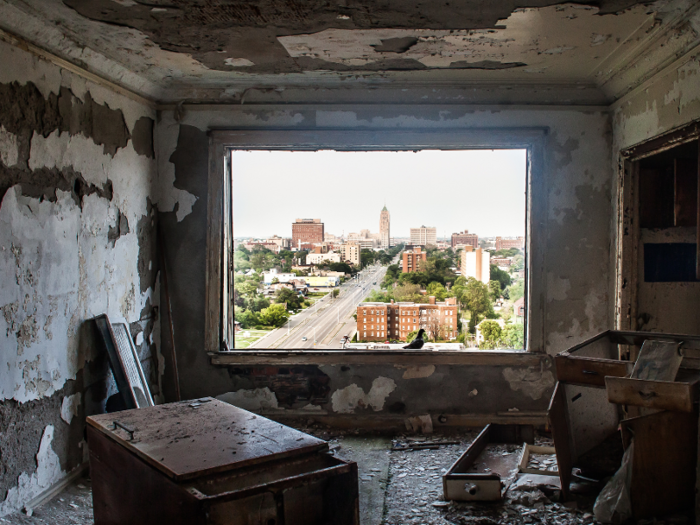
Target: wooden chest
point(208, 462)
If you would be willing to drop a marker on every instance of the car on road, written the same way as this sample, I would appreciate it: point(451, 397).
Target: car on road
point(303, 338)
point(375, 282)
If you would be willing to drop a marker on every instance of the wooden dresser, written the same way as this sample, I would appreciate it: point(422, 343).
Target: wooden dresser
point(207, 462)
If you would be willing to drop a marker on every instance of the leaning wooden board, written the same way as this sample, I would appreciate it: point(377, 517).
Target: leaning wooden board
point(195, 438)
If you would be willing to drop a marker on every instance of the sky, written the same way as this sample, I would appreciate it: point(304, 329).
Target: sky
point(482, 191)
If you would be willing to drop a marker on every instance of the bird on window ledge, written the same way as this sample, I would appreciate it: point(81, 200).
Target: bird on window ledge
point(417, 343)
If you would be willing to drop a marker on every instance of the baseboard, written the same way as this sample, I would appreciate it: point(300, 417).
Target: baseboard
point(55, 489)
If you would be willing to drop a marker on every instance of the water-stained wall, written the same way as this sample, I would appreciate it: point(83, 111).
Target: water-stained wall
point(77, 239)
point(576, 226)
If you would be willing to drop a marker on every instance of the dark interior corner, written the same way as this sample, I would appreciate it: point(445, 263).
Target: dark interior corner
point(130, 395)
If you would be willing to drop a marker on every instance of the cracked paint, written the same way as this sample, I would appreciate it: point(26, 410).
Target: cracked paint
point(9, 152)
point(415, 372)
point(346, 400)
point(29, 486)
point(530, 381)
point(255, 400)
point(69, 407)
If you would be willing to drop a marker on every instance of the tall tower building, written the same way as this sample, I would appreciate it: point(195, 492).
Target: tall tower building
point(384, 233)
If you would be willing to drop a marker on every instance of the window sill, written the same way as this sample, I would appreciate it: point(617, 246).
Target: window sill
point(378, 357)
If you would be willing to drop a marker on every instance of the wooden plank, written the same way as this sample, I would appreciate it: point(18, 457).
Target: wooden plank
point(663, 465)
point(213, 275)
point(377, 357)
point(559, 423)
point(190, 439)
point(664, 395)
point(589, 371)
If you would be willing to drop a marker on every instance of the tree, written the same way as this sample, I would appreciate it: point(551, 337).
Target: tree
point(513, 336)
point(274, 315)
point(438, 290)
point(518, 263)
point(247, 318)
point(491, 332)
point(340, 267)
point(408, 293)
point(411, 336)
point(516, 290)
point(499, 275)
point(334, 293)
point(494, 290)
point(476, 299)
point(294, 300)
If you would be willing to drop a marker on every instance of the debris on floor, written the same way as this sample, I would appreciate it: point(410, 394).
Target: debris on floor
point(73, 506)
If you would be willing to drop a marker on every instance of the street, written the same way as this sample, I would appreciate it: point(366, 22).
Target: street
point(328, 320)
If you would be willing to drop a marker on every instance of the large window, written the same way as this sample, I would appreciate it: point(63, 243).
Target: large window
point(344, 246)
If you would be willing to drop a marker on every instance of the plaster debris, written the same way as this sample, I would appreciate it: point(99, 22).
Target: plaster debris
point(530, 381)
point(238, 62)
point(69, 407)
point(47, 473)
point(346, 400)
point(253, 400)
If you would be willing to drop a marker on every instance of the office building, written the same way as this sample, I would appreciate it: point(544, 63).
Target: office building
point(507, 244)
point(384, 227)
point(424, 236)
point(465, 238)
point(306, 231)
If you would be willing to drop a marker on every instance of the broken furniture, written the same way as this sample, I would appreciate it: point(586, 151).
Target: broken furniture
point(486, 468)
point(587, 407)
point(125, 363)
point(207, 462)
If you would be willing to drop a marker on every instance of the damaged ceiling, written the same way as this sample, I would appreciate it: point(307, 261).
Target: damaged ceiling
point(171, 50)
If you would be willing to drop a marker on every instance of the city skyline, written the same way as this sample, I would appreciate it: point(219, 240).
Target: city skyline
point(347, 191)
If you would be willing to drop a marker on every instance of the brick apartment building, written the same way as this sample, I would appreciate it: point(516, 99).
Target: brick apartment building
point(387, 321)
point(307, 231)
point(507, 244)
point(411, 259)
point(466, 238)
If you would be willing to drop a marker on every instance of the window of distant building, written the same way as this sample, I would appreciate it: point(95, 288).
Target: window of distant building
point(306, 310)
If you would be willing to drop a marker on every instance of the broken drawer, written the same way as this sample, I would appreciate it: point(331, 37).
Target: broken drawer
point(677, 396)
point(484, 470)
point(589, 371)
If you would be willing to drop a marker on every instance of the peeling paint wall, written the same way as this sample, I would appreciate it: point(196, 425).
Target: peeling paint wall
point(77, 239)
point(669, 100)
point(578, 266)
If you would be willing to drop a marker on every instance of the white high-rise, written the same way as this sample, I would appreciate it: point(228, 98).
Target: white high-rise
point(424, 235)
point(476, 263)
point(384, 231)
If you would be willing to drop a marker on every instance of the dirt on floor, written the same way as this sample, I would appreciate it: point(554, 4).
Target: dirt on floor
point(400, 483)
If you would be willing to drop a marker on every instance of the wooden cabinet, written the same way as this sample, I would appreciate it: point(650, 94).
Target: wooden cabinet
point(210, 463)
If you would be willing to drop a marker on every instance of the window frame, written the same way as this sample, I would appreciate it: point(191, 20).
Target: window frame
point(222, 141)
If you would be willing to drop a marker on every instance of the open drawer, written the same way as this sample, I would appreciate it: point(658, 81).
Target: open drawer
point(677, 396)
point(488, 466)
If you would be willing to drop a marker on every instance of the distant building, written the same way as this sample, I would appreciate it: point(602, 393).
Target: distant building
point(465, 237)
point(519, 307)
point(284, 243)
point(423, 236)
point(318, 258)
point(251, 245)
point(502, 262)
point(307, 231)
point(383, 321)
point(507, 244)
point(411, 259)
point(366, 240)
point(273, 274)
point(385, 235)
point(477, 264)
point(350, 253)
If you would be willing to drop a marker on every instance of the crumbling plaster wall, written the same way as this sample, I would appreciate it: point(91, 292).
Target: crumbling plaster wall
point(669, 100)
point(77, 239)
point(577, 281)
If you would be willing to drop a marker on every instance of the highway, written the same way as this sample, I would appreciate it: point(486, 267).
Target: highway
point(328, 320)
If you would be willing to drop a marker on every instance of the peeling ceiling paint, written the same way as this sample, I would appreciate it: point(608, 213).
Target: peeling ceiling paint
point(191, 46)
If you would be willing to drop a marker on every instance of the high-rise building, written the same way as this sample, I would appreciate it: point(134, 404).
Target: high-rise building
point(412, 258)
point(350, 253)
point(423, 236)
point(507, 244)
point(465, 238)
point(306, 231)
point(385, 236)
point(476, 263)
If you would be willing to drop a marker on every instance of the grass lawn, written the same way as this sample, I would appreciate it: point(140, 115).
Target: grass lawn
point(253, 335)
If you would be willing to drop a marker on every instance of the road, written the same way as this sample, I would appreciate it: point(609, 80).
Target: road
point(328, 320)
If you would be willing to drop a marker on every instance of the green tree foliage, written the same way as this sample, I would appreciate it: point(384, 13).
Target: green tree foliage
point(491, 331)
point(335, 293)
point(494, 290)
point(518, 263)
point(293, 299)
point(499, 275)
point(510, 252)
point(408, 293)
point(438, 290)
point(477, 300)
point(392, 274)
point(274, 315)
point(376, 296)
point(513, 336)
point(410, 336)
point(341, 267)
point(247, 318)
point(516, 290)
